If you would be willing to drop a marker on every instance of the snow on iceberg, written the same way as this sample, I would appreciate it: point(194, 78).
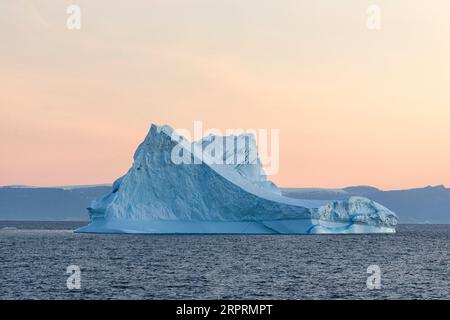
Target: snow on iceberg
point(199, 194)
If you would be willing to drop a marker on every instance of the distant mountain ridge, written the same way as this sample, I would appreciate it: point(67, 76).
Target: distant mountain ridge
point(420, 205)
point(34, 203)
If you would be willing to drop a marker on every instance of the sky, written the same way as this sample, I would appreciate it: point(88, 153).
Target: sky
point(353, 106)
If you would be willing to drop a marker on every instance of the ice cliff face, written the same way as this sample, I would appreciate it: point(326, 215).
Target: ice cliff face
point(239, 153)
point(207, 189)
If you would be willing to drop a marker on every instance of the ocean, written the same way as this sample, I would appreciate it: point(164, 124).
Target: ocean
point(414, 263)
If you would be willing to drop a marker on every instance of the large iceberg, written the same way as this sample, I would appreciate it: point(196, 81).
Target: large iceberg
point(218, 185)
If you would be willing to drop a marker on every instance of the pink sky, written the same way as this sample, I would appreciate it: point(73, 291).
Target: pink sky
point(353, 106)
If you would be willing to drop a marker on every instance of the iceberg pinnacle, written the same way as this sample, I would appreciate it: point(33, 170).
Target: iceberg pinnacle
point(218, 185)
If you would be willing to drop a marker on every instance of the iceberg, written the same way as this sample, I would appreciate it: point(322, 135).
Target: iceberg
point(218, 185)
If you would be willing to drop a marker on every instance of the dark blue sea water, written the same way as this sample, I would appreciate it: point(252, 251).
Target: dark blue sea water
point(414, 263)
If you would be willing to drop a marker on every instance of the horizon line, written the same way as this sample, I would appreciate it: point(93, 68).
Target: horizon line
point(79, 186)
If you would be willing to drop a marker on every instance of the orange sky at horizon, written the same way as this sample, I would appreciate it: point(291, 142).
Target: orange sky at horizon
point(353, 106)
